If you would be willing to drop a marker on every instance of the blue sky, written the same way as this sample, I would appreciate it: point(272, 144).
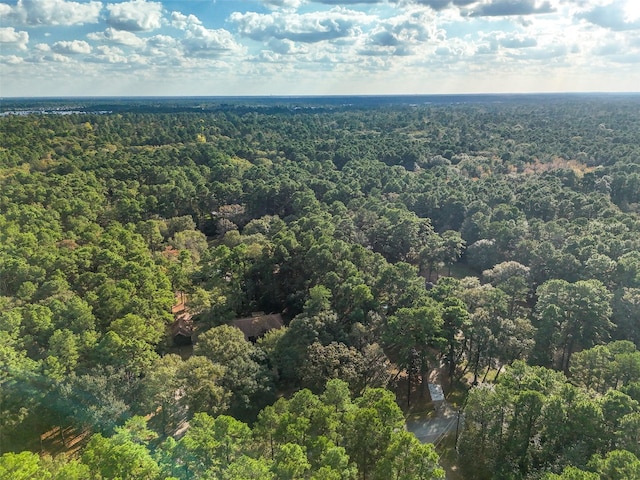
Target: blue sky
point(317, 47)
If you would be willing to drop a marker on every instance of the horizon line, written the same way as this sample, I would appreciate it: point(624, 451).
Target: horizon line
point(312, 95)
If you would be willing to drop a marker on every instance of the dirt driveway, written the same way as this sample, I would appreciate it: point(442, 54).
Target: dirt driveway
point(433, 428)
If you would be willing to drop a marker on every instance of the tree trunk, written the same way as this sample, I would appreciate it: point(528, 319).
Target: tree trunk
point(452, 362)
point(408, 387)
point(569, 347)
point(475, 367)
point(487, 372)
point(424, 373)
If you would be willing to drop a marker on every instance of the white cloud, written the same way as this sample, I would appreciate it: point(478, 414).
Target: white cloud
point(162, 47)
point(52, 57)
point(632, 11)
point(198, 40)
point(5, 10)
point(202, 42)
point(517, 41)
point(348, 2)
point(439, 5)
point(505, 8)
point(514, 46)
point(106, 54)
point(120, 37)
point(550, 52)
point(71, 47)
point(11, 59)
point(11, 36)
point(135, 16)
point(618, 15)
point(400, 35)
point(314, 27)
point(51, 12)
point(182, 22)
point(57, 57)
point(453, 50)
point(286, 47)
point(320, 46)
point(618, 47)
point(267, 56)
point(609, 48)
point(162, 41)
point(284, 4)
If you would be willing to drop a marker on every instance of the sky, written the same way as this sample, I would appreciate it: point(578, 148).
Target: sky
point(317, 47)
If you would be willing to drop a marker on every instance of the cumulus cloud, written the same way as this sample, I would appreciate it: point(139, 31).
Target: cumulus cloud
point(348, 2)
point(284, 4)
point(454, 50)
point(5, 10)
point(396, 51)
point(619, 47)
point(319, 42)
point(162, 41)
point(135, 16)
point(522, 47)
point(496, 42)
point(435, 4)
point(11, 36)
point(202, 42)
point(198, 40)
point(438, 5)
point(52, 57)
point(517, 41)
point(164, 47)
point(610, 48)
point(549, 52)
point(51, 12)
point(307, 27)
point(384, 38)
point(400, 35)
point(106, 54)
point(614, 16)
point(120, 37)
point(182, 21)
point(11, 59)
point(72, 47)
point(286, 47)
point(57, 57)
point(488, 48)
point(619, 52)
point(504, 8)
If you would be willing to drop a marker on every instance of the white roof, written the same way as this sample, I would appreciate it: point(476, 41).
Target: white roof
point(435, 390)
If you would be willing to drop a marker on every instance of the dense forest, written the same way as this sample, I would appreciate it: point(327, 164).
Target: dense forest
point(495, 242)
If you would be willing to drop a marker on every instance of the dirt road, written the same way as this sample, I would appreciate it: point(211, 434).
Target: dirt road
point(434, 428)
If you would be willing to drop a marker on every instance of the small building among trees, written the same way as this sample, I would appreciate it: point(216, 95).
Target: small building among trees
point(258, 324)
point(182, 330)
